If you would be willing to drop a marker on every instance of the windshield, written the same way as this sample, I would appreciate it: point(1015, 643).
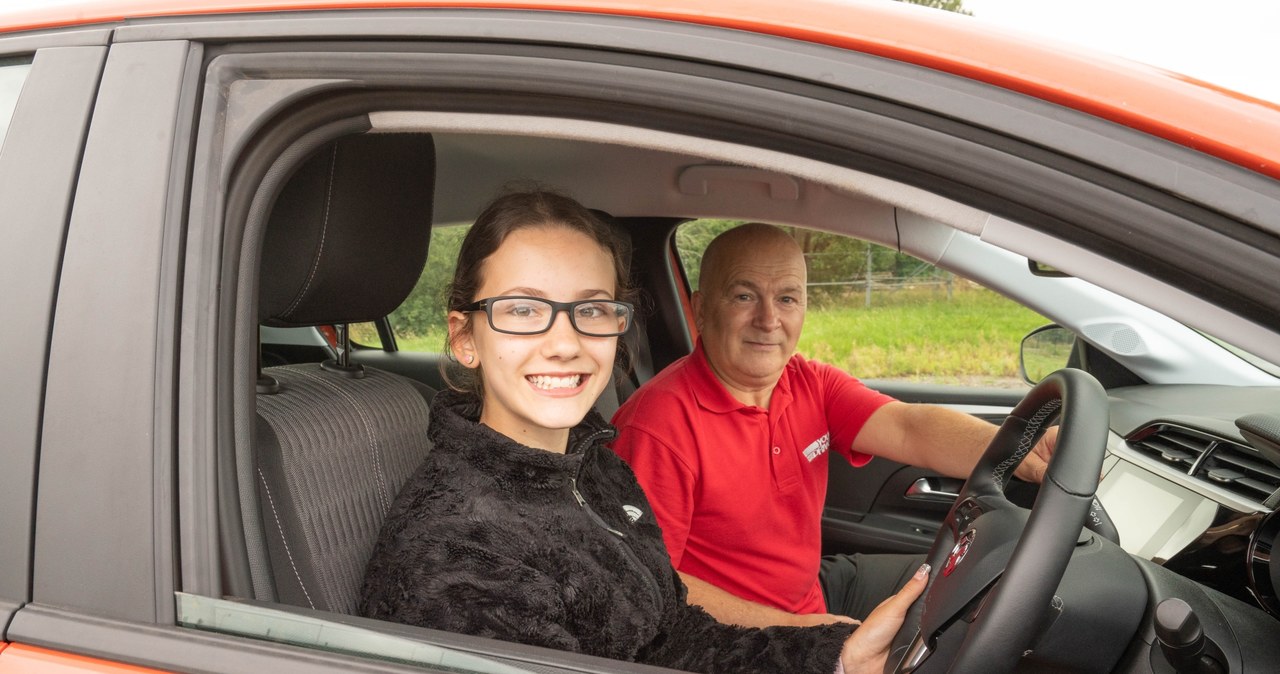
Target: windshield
point(1256, 361)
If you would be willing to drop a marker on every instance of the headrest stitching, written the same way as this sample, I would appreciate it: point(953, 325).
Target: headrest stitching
point(324, 230)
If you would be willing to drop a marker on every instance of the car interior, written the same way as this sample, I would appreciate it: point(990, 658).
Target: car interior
point(337, 229)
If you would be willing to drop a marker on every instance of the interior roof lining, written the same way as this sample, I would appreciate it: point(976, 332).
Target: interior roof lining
point(848, 181)
point(942, 210)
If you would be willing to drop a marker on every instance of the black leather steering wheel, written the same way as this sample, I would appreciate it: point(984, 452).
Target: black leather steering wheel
point(996, 566)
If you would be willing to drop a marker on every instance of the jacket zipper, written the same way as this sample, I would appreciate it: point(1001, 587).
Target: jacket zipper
point(577, 495)
point(651, 583)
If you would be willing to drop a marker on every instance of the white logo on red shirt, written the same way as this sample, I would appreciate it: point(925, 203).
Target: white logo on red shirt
point(818, 448)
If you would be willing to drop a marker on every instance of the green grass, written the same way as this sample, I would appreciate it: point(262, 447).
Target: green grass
point(910, 334)
point(918, 334)
point(433, 340)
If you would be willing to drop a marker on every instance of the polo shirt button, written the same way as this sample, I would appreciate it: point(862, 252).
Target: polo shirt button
point(777, 450)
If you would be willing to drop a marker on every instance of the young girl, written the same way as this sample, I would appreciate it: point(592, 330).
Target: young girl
point(521, 525)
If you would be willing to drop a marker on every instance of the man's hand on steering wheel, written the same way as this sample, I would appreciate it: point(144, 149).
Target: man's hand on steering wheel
point(1037, 462)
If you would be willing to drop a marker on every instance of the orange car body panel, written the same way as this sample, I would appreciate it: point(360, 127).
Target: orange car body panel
point(1229, 125)
point(33, 660)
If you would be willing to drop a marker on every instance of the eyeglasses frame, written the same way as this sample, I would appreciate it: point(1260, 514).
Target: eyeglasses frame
point(556, 307)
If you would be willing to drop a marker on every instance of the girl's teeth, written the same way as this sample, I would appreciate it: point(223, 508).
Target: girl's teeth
point(545, 382)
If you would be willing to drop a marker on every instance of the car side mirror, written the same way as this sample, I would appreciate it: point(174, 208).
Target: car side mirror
point(1044, 350)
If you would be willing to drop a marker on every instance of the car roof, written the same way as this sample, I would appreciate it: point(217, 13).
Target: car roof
point(1211, 119)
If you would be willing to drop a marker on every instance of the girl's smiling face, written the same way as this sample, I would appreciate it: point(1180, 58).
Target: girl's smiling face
point(537, 387)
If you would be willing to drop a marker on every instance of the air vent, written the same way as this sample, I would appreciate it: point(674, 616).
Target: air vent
point(1240, 469)
point(1175, 446)
point(1225, 464)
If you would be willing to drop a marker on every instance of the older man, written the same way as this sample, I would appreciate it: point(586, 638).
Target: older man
point(731, 444)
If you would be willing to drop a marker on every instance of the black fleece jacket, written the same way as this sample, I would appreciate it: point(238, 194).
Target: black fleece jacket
point(497, 539)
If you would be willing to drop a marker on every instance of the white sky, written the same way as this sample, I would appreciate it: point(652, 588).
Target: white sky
point(1231, 43)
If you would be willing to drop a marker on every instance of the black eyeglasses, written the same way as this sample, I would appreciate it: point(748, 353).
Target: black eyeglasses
point(534, 315)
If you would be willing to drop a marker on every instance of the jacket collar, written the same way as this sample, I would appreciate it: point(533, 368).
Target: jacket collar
point(455, 427)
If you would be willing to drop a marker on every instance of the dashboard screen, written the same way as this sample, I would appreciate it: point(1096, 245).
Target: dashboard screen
point(1155, 517)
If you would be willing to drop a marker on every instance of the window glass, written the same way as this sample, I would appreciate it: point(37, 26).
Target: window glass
point(881, 314)
point(363, 335)
point(308, 629)
point(13, 73)
point(419, 322)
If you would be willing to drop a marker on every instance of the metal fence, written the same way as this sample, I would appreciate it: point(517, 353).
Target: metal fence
point(869, 281)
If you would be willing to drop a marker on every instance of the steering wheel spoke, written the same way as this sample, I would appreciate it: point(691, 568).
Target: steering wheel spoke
point(973, 565)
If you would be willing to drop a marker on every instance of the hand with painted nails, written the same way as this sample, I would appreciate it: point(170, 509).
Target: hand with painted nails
point(867, 648)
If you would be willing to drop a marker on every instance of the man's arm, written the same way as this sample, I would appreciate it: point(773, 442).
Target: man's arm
point(734, 610)
point(941, 439)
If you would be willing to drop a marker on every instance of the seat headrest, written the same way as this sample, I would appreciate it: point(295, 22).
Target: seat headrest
point(347, 238)
point(622, 233)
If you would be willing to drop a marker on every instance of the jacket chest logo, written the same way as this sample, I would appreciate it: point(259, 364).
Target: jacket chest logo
point(633, 513)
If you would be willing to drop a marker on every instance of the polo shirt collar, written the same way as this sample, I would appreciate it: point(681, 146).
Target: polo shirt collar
point(712, 395)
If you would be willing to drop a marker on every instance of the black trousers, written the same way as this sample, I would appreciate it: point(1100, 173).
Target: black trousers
point(854, 585)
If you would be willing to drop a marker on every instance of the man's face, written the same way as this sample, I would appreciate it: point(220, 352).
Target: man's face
point(750, 313)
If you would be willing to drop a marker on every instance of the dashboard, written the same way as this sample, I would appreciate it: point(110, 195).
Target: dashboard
point(1186, 490)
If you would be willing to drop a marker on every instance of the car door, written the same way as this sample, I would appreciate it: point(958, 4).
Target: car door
point(886, 506)
point(96, 179)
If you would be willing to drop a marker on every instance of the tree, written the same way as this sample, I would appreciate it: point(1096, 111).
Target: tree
point(692, 239)
point(424, 309)
point(956, 6)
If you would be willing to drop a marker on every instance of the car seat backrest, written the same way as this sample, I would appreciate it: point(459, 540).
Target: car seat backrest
point(622, 381)
point(345, 242)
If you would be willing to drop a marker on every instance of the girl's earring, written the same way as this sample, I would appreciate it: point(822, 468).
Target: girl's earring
point(470, 359)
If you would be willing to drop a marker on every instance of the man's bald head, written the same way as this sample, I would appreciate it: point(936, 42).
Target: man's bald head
point(754, 239)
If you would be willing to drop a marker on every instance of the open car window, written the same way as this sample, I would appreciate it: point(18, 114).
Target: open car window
point(884, 315)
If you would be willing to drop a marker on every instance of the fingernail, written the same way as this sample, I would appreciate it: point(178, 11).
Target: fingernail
point(923, 571)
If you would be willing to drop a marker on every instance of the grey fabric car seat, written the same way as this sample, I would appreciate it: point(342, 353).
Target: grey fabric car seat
point(623, 382)
point(346, 242)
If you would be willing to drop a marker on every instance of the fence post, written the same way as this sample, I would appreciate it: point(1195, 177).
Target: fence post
point(868, 276)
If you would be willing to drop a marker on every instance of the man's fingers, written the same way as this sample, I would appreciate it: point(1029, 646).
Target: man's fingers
point(1036, 463)
point(1033, 469)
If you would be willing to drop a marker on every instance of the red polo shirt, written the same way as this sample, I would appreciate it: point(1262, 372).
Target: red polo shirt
point(739, 490)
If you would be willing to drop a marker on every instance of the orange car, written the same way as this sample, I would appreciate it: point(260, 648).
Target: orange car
point(168, 505)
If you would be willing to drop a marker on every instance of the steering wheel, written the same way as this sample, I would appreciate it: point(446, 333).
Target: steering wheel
point(995, 566)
